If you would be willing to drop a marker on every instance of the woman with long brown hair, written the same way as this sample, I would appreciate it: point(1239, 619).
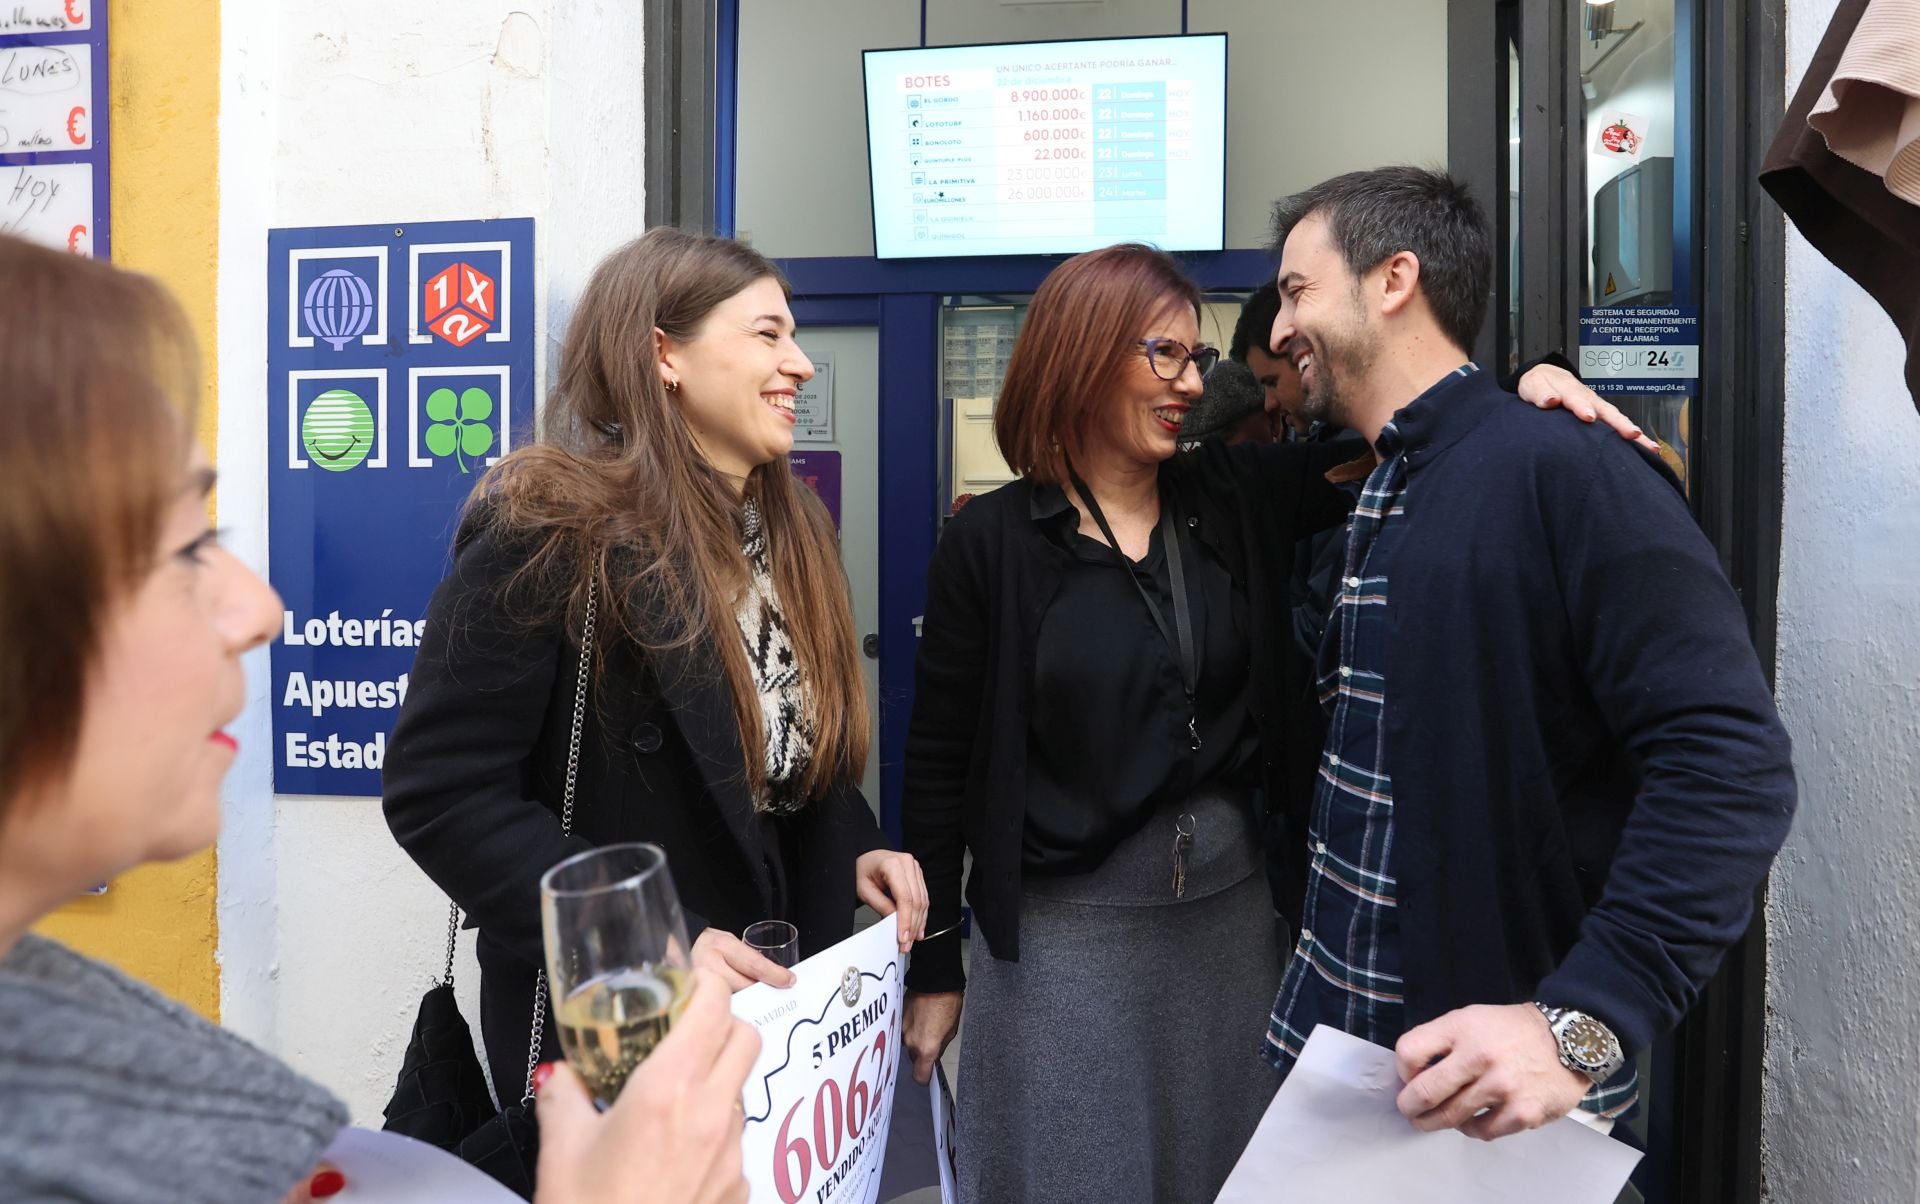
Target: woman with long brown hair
point(726, 719)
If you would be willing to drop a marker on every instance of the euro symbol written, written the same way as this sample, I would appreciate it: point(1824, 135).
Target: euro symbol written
point(74, 238)
point(73, 125)
point(74, 14)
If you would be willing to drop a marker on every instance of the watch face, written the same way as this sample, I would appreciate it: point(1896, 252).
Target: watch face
point(1588, 1042)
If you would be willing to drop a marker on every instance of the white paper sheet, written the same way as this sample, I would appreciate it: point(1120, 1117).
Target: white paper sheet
point(1333, 1133)
point(820, 1099)
point(946, 1136)
point(386, 1168)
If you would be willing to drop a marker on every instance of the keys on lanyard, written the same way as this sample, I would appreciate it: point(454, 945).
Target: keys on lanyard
point(1182, 842)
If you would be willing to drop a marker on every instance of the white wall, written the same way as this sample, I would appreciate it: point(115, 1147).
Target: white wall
point(352, 111)
point(1842, 1099)
point(1313, 90)
point(801, 152)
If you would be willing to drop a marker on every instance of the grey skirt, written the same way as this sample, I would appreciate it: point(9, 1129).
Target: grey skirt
point(1119, 1059)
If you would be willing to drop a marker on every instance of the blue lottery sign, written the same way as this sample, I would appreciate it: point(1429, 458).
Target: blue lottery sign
point(400, 365)
point(1640, 349)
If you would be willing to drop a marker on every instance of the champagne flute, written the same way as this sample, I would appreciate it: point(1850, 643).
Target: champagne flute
point(775, 940)
point(618, 961)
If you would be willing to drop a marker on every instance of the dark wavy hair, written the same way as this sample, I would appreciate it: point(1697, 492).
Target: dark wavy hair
point(1255, 327)
point(1374, 215)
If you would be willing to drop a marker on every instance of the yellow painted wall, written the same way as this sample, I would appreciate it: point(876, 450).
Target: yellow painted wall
point(158, 922)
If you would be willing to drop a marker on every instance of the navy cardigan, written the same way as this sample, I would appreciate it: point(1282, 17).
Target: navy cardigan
point(1590, 777)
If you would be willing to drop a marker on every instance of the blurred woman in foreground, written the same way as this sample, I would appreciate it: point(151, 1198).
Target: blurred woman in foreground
point(122, 622)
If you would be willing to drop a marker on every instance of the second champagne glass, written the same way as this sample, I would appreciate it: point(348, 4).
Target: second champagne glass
point(775, 940)
point(618, 961)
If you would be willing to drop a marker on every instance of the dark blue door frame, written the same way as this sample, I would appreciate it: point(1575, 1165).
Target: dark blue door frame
point(908, 324)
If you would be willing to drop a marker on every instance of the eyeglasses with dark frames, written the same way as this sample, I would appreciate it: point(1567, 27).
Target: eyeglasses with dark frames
point(1169, 357)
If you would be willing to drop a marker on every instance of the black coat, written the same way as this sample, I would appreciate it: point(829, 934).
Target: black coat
point(476, 771)
point(988, 587)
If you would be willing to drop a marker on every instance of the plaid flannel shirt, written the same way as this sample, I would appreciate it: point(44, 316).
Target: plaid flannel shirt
point(1346, 968)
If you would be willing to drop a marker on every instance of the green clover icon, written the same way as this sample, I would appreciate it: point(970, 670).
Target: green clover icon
point(460, 425)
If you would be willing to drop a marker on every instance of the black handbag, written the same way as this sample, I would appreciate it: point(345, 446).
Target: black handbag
point(441, 1095)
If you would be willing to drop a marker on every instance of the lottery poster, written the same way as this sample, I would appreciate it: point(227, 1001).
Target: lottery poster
point(820, 1098)
point(400, 367)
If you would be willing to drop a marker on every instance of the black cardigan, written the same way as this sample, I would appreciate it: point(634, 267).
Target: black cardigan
point(988, 586)
point(475, 773)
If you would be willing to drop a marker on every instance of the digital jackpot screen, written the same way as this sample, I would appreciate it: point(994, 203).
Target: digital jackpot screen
point(1048, 147)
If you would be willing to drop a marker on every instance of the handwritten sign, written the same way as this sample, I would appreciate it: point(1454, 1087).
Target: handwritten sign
point(47, 16)
point(820, 1098)
point(46, 98)
point(53, 123)
point(52, 204)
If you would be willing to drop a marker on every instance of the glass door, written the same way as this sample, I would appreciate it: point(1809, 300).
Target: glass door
point(1600, 112)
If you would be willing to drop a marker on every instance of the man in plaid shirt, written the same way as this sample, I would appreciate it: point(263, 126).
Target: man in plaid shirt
point(1553, 773)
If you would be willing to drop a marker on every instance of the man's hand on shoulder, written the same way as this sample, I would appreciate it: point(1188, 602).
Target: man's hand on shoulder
point(1486, 1071)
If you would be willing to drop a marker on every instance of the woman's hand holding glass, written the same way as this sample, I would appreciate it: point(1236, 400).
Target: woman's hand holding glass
point(674, 1135)
point(618, 964)
point(735, 963)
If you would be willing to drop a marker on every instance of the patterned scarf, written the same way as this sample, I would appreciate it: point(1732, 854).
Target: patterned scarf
point(776, 675)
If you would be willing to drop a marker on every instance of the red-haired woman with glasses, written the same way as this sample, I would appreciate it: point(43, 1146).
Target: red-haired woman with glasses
point(1097, 731)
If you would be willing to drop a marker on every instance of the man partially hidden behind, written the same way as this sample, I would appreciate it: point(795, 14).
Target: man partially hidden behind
point(1554, 774)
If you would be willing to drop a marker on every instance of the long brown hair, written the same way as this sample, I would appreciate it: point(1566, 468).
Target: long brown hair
point(96, 415)
point(616, 483)
point(1073, 350)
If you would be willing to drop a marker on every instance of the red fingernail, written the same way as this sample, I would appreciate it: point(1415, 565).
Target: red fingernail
point(327, 1183)
point(541, 1074)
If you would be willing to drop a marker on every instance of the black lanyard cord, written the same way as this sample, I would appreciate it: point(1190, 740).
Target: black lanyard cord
point(1182, 647)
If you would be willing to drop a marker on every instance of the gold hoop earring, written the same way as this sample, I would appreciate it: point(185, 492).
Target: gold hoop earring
point(673, 386)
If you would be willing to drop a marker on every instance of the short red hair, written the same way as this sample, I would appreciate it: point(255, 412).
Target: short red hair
point(1085, 321)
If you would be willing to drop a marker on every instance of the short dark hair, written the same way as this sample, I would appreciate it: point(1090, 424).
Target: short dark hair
point(1255, 327)
point(1373, 215)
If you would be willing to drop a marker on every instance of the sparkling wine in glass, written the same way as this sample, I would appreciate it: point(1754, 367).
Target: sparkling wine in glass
point(618, 967)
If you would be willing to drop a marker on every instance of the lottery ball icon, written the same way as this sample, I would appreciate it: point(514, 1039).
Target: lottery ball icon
point(338, 307)
point(337, 430)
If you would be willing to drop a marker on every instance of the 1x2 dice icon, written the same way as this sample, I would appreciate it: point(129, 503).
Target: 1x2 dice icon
point(460, 303)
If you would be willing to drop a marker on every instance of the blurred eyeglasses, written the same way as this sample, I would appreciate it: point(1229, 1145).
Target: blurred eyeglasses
point(1169, 357)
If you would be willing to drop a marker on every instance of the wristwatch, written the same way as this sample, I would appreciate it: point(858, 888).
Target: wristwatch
point(1586, 1045)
